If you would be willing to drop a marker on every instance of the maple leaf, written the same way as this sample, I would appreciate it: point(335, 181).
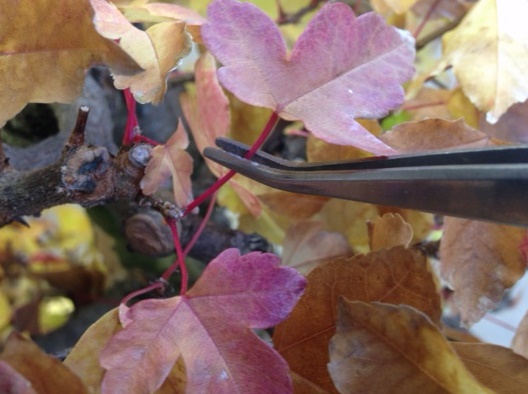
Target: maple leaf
point(488, 52)
point(157, 50)
point(480, 261)
point(34, 365)
point(341, 67)
point(170, 159)
point(397, 275)
point(496, 367)
point(47, 64)
point(210, 327)
point(398, 344)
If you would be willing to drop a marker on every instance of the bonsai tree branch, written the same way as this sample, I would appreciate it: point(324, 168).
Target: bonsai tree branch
point(84, 175)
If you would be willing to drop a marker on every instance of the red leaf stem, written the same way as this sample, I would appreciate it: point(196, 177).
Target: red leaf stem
point(132, 121)
point(426, 19)
point(272, 122)
point(180, 259)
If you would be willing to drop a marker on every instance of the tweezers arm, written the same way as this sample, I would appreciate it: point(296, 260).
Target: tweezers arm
point(495, 193)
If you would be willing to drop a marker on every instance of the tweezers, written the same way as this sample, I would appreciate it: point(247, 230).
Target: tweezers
point(488, 184)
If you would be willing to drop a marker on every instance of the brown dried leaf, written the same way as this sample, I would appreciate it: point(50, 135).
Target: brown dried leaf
point(47, 64)
point(384, 348)
point(84, 357)
point(480, 260)
point(389, 230)
point(397, 275)
point(306, 246)
point(430, 134)
point(520, 340)
point(496, 367)
point(31, 362)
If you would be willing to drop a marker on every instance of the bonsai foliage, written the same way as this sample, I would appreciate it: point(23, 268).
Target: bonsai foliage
point(353, 301)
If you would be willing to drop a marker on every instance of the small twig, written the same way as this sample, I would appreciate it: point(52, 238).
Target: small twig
point(295, 17)
point(77, 136)
point(438, 33)
point(4, 161)
point(166, 208)
point(426, 18)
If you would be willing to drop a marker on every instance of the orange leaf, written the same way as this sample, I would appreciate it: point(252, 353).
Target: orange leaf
point(480, 260)
point(167, 160)
point(384, 348)
point(45, 47)
point(496, 367)
point(157, 50)
point(388, 231)
point(31, 362)
point(397, 275)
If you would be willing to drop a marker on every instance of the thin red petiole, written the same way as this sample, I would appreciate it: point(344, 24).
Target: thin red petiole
point(200, 228)
point(272, 122)
point(180, 259)
point(132, 121)
point(142, 138)
point(426, 19)
point(153, 286)
point(500, 323)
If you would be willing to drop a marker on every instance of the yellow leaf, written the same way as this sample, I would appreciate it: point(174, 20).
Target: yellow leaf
point(45, 48)
point(84, 357)
point(5, 311)
point(383, 348)
point(480, 261)
point(489, 55)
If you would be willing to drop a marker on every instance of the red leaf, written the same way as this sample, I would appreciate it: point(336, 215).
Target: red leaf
point(341, 67)
point(210, 327)
point(170, 160)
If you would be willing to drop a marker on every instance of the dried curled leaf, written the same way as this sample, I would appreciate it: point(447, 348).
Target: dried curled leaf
point(384, 348)
point(157, 50)
point(170, 159)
